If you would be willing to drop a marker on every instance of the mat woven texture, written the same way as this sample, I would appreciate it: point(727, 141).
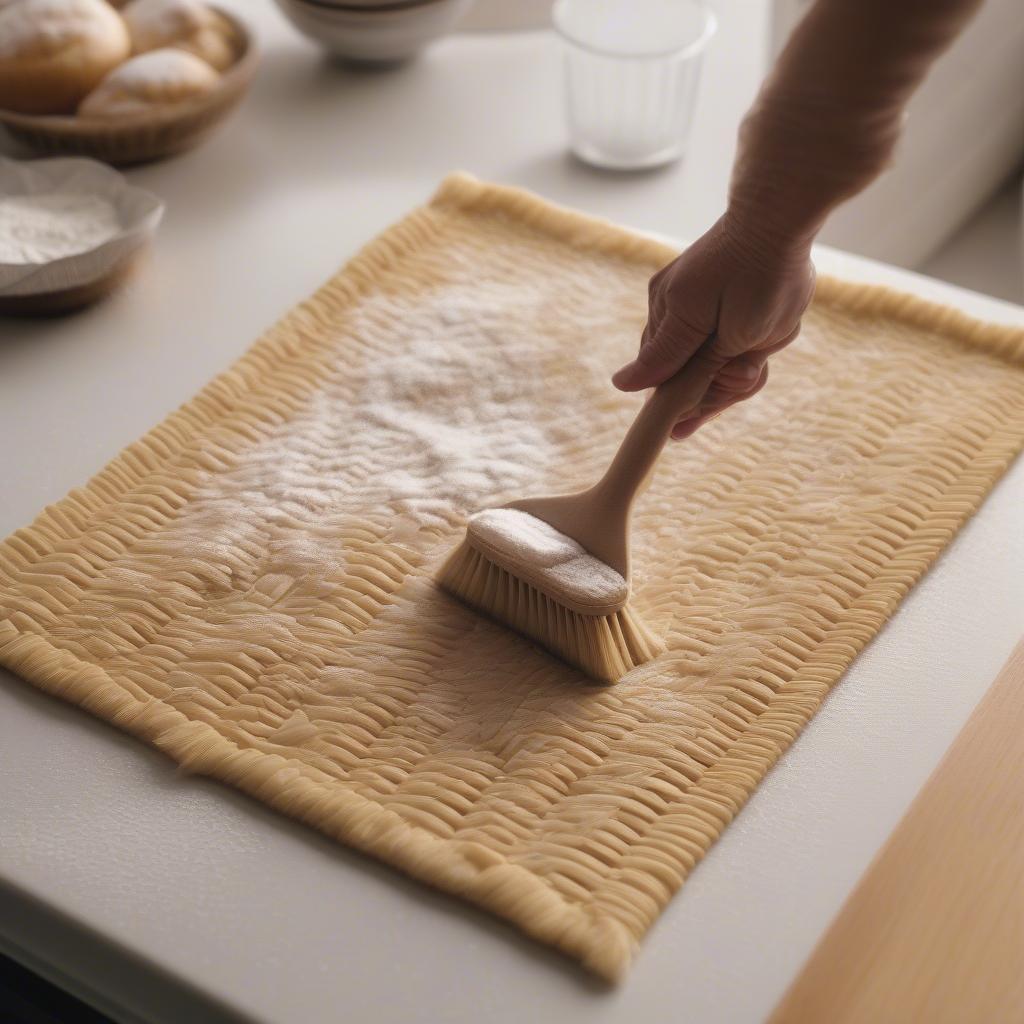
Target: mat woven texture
point(248, 586)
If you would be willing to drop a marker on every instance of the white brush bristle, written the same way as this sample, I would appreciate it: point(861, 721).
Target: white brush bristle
point(605, 647)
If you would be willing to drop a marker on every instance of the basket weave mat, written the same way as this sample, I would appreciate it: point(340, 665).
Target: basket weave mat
point(248, 586)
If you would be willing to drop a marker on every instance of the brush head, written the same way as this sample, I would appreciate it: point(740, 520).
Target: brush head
point(522, 572)
point(555, 564)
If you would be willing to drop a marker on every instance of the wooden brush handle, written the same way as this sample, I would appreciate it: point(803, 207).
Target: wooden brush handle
point(652, 428)
point(598, 518)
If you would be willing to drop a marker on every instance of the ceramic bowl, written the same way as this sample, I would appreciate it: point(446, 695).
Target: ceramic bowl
point(68, 282)
point(140, 139)
point(383, 34)
point(372, 5)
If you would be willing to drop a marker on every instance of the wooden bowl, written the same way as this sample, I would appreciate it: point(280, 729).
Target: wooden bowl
point(140, 139)
point(67, 300)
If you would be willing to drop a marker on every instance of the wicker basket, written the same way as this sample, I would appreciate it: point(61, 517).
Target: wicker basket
point(136, 140)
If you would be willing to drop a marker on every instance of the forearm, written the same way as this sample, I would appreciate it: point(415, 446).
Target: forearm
point(827, 119)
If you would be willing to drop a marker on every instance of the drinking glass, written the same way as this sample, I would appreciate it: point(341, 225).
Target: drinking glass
point(632, 68)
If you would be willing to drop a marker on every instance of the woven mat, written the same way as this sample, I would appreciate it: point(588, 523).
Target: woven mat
point(248, 587)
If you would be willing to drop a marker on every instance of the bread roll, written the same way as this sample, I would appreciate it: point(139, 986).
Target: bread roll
point(185, 24)
point(53, 52)
point(149, 84)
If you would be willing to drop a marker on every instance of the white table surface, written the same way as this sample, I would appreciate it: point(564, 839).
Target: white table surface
point(168, 898)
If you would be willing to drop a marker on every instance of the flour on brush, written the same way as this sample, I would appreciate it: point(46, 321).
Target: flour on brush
point(52, 225)
point(557, 560)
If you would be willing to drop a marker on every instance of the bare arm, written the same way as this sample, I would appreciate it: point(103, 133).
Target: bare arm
point(828, 117)
point(822, 128)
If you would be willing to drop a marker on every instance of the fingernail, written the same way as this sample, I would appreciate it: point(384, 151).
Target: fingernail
point(749, 372)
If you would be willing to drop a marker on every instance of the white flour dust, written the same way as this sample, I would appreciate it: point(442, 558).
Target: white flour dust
point(433, 419)
point(52, 225)
point(453, 407)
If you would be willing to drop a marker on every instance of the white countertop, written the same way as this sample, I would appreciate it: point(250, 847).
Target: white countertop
point(169, 898)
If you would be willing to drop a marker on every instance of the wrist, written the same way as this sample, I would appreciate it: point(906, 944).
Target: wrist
point(764, 239)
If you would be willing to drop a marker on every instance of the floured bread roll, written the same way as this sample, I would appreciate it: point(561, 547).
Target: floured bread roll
point(53, 52)
point(150, 83)
point(185, 24)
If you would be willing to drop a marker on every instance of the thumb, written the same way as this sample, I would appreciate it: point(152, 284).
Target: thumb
point(663, 354)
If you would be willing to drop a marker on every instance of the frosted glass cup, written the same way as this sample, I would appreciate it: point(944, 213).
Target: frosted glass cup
point(632, 68)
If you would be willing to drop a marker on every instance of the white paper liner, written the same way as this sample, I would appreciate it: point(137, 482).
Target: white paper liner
point(138, 211)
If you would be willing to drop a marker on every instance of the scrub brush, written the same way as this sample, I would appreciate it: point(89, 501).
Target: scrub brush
point(557, 569)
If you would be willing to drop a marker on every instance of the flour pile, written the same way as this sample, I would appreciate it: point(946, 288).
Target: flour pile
point(53, 225)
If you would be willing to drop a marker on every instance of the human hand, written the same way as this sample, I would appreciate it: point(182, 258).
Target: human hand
point(737, 299)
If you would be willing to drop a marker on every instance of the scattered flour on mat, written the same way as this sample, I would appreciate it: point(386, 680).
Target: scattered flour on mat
point(451, 411)
point(432, 420)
